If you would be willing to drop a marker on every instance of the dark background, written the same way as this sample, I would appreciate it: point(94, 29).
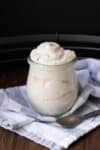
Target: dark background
point(26, 23)
point(22, 17)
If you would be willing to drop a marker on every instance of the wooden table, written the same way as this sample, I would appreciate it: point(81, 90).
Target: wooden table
point(16, 75)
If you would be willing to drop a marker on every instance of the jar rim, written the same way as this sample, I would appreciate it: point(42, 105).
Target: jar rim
point(30, 61)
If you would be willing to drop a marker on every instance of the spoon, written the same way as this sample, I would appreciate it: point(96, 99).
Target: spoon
point(73, 120)
point(69, 121)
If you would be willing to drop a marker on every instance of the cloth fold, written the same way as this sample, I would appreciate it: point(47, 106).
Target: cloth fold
point(18, 115)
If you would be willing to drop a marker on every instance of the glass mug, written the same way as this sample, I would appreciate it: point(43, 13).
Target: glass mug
point(52, 89)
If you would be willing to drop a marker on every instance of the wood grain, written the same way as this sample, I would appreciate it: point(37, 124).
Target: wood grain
point(17, 75)
point(93, 140)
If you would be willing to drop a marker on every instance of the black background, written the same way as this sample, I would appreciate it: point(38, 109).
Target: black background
point(25, 23)
point(22, 17)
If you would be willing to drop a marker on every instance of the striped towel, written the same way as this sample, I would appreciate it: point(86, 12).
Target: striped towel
point(18, 115)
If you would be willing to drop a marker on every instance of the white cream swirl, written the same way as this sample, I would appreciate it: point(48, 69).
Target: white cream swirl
point(51, 53)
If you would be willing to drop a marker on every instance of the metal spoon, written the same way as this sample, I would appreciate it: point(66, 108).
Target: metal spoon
point(73, 120)
point(67, 121)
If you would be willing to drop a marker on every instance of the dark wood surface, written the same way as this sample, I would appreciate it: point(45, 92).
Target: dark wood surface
point(17, 75)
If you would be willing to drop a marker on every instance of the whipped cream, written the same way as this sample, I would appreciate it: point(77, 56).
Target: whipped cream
point(51, 53)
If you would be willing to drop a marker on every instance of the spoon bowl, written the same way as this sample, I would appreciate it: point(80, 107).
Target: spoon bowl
point(73, 120)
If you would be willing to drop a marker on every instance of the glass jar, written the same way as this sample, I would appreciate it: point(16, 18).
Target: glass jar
point(52, 90)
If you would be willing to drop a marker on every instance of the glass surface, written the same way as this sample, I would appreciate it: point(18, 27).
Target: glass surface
point(52, 89)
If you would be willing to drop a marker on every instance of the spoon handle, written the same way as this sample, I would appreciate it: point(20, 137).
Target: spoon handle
point(91, 114)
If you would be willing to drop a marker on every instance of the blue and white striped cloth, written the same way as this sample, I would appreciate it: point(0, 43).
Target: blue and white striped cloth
point(17, 114)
